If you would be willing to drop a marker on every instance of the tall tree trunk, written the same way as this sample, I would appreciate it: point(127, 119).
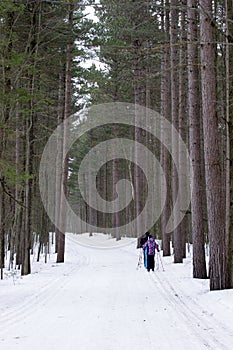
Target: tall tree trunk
point(5, 114)
point(216, 217)
point(115, 171)
point(67, 114)
point(15, 229)
point(177, 239)
point(2, 228)
point(148, 105)
point(91, 218)
point(26, 265)
point(197, 205)
point(137, 100)
point(166, 134)
point(229, 152)
point(183, 119)
point(59, 157)
point(29, 138)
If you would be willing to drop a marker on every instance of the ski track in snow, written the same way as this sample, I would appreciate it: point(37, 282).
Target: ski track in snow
point(200, 320)
point(48, 291)
point(209, 331)
point(190, 315)
point(100, 300)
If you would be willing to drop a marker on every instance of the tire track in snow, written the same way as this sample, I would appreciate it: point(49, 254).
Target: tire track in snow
point(48, 291)
point(197, 326)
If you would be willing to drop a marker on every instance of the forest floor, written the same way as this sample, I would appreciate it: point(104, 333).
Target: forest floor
point(98, 299)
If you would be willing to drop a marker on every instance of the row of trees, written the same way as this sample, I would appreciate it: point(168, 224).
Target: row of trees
point(37, 52)
point(171, 56)
point(175, 57)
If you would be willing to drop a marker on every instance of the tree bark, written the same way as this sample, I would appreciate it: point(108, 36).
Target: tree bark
point(166, 134)
point(67, 113)
point(26, 265)
point(216, 215)
point(177, 233)
point(137, 101)
point(59, 157)
point(197, 205)
point(29, 138)
point(2, 229)
point(229, 152)
point(183, 129)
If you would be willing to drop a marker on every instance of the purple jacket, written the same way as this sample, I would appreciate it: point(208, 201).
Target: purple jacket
point(152, 245)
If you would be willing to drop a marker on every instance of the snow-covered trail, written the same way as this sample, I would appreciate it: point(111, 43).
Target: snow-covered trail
point(99, 300)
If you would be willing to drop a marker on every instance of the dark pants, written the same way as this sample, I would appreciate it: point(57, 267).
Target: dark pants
point(150, 262)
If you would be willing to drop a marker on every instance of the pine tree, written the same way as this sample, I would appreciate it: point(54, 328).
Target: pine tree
point(229, 153)
point(166, 134)
point(216, 218)
point(197, 205)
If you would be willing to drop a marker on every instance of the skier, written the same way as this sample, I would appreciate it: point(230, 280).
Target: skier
point(149, 250)
point(141, 241)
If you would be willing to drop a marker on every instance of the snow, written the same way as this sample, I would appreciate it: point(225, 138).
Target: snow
point(98, 299)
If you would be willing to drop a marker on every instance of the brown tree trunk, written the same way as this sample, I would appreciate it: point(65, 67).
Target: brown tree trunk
point(177, 233)
point(216, 215)
point(166, 134)
point(29, 138)
point(197, 205)
point(67, 114)
point(59, 159)
point(229, 152)
point(6, 113)
point(91, 218)
point(137, 101)
point(115, 171)
point(2, 228)
point(26, 266)
point(183, 130)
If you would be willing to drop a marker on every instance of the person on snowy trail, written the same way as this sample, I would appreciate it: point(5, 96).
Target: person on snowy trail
point(141, 241)
point(149, 248)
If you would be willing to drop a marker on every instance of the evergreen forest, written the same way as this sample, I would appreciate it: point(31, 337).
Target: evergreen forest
point(61, 57)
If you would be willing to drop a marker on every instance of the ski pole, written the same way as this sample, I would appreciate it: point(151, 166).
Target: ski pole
point(139, 260)
point(161, 261)
point(157, 262)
